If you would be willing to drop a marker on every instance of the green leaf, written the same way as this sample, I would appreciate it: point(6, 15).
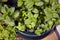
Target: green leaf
point(58, 6)
point(1, 36)
point(16, 14)
point(50, 23)
point(48, 12)
point(19, 3)
point(30, 23)
point(29, 4)
point(3, 10)
point(31, 20)
point(6, 7)
point(33, 24)
point(9, 28)
point(1, 27)
point(9, 21)
point(55, 15)
point(57, 22)
point(21, 27)
point(35, 10)
point(29, 26)
point(54, 5)
point(1, 18)
point(27, 21)
point(24, 13)
point(35, 16)
point(5, 33)
point(6, 38)
point(30, 9)
point(38, 32)
point(42, 25)
point(39, 3)
point(53, 1)
point(45, 27)
point(46, 1)
point(11, 10)
point(37, 0)
point(53, 19)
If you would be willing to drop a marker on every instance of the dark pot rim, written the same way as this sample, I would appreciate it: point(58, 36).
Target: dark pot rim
point(30, 35)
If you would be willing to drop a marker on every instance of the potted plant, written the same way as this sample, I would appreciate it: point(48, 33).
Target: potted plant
point(32, 19)
point(36, 18)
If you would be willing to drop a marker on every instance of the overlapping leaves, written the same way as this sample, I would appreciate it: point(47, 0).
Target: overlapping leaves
point(39, 14)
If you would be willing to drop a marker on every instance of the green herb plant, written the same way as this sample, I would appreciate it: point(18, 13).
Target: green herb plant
point(7, 28)
point(37, 16)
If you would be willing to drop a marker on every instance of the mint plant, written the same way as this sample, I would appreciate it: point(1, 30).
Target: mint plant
point(37, 16)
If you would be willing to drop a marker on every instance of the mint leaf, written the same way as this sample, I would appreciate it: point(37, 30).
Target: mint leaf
point(46, 1)
point(35, 16)
point(35, 10)
point(11, 10)
point(3, 10)
point(29, 4)
point(9, 21)
point(21, 27)
point(39, 3)
point(16, 14)
point(19, 3)
point(50, 23)
point(38, 32)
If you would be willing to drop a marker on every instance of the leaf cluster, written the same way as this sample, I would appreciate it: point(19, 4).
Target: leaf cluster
point(36, 16)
